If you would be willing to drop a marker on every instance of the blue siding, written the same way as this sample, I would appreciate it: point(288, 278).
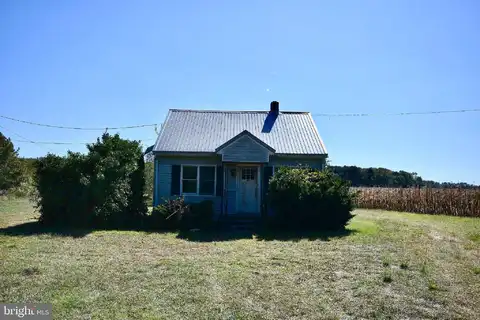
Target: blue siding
point(317, 163)
point(211, 160)
point(245, 150)
point(163, 178)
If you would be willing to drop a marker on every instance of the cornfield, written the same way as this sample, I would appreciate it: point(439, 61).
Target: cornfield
point(454, 202)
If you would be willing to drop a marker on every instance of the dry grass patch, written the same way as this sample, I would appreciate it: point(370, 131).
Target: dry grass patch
point(140, 275)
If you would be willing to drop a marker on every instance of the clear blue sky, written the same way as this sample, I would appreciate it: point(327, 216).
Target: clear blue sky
point(114, 63)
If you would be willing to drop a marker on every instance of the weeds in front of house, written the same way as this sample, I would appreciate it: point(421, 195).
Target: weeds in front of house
point(476, 270)
point(387, 276)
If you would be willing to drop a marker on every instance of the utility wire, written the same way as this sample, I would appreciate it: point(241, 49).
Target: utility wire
point(22, 137)
point(61, 143)
point(314, 115)
point(77, 128)
point(391, 114)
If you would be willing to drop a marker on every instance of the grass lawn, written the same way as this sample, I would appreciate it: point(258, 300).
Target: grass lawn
point(390, 265)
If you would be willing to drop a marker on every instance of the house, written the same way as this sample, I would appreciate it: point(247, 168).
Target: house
point(229, 156)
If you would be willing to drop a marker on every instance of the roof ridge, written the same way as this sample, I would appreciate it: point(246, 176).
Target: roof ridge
point(234, 111)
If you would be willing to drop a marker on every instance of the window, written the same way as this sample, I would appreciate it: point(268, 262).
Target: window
point(189, 179)
point(198, 180)
point(207, 180)
point(248, 174)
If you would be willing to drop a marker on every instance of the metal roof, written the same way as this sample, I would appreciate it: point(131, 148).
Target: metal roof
point(206, 130)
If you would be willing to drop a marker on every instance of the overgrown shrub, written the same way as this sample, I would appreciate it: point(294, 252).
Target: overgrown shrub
point(103, 188)
point(168, 215)
point(200, 215)
point(174, 214)
point(308, 199)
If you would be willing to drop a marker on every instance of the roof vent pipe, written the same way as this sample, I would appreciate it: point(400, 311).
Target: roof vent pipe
point(274, 106)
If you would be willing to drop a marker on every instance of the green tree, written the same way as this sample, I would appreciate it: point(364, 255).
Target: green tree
point(149, 172)
point(103, 188)
point(11, 167)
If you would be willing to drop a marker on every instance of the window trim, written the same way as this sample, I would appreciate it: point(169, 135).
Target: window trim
point(197, 193)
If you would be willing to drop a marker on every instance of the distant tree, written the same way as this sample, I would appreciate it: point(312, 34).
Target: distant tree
point(382, 177)
point(149, 172)
point(11, 167)
point(149, 180)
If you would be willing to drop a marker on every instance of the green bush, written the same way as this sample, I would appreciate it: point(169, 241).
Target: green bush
point(200, 215)
point(304, 198)
point(103, 188)
point(168, 215)
point(174, 214)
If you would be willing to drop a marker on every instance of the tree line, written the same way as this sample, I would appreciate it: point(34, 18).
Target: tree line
point(382, 177)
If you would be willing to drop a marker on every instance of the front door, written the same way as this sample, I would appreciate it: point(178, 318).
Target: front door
point(248, 191)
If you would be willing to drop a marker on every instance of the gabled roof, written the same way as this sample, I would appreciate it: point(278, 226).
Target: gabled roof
point(149, 149)
point(201, 131)
point(243, 134)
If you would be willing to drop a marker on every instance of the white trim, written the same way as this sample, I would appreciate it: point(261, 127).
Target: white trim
point(198, 180)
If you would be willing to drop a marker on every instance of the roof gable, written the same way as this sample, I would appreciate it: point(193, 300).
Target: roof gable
point(245, 133)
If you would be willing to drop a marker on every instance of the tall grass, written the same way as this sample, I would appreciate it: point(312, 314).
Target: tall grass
point(454, 202)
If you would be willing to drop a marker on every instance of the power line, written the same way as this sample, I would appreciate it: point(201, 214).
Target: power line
point(78, 128)
point(391, 114)
point(61, 143)
point(22, 137)
point(314, 114)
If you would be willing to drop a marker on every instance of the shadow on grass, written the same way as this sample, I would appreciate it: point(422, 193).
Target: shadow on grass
point(34, 228)
point(262, 235)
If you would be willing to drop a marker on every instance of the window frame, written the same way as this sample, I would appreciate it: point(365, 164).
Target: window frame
point(197, 193)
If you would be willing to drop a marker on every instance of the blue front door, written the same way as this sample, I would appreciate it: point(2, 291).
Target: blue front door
point(248, 193)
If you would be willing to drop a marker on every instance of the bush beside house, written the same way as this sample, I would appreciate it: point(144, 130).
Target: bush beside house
point(306, 199)
point(104, 188)
point(175, 214)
